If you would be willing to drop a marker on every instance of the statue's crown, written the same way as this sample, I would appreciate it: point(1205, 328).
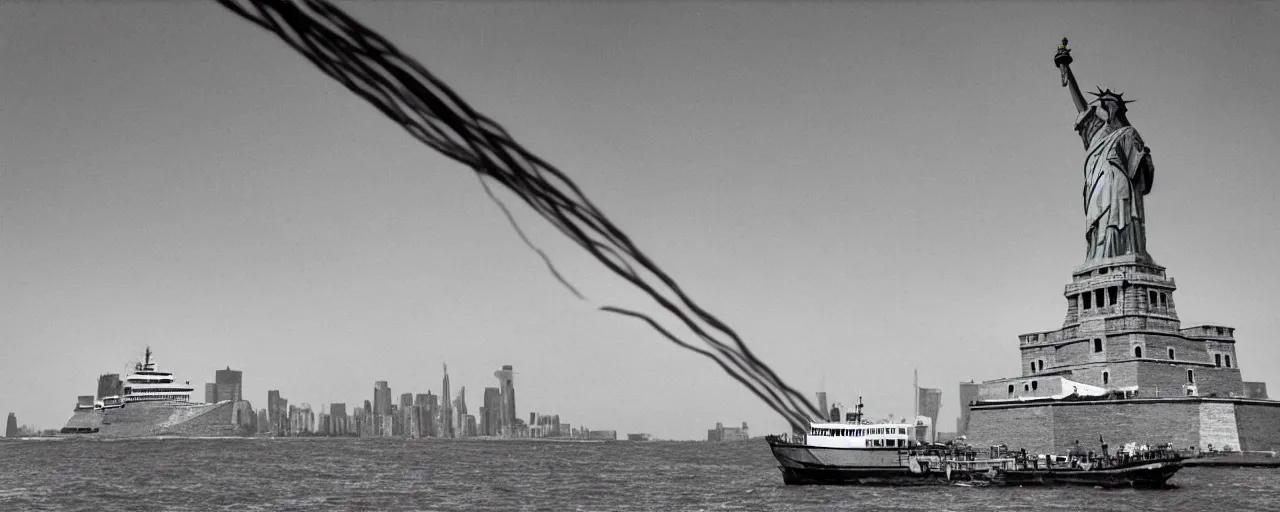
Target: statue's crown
point(1109, 95)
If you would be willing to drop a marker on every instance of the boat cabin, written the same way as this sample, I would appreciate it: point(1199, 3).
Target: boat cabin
point(859, 435)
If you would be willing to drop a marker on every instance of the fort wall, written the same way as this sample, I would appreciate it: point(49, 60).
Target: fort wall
point(1233, 423)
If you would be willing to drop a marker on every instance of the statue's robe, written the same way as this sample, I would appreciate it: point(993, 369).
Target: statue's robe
point(1117, 173)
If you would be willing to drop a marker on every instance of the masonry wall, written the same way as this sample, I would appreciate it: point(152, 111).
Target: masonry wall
point(1016, 427)
point(1168, 379)
point(1246, 425)
point(1157, 347)
point(1124, 422)
point(1259, 426)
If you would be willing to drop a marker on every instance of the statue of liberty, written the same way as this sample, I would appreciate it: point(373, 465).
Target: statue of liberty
point(1117, 171)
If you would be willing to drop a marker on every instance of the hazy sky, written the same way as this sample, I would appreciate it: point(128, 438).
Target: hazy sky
point(860, 189)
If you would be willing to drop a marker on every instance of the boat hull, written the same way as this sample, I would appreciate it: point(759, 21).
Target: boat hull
point(860, 476)
point(146, 419)
point(810, 465)
point(1153, 475)
point(813, 465)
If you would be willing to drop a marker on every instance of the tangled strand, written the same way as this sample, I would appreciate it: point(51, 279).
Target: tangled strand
point(406, 92)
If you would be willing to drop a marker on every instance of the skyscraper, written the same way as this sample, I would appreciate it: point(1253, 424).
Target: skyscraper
point(381, 398)
point(491, 413)
point(822, 404)
point(423, 412)
point(210, 393)
point(229, 383)
point(446, 412)
point(406, 399)
point(431, 415)
point(338, 419)
point(506, 382)
point(109, 385)
point(11, 426)
point(968, 393)
point(460, 411)
point(381, 407)
point(274, 414)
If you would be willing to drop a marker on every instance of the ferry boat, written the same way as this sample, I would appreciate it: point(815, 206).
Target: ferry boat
point(859, 452)
point(152, 403)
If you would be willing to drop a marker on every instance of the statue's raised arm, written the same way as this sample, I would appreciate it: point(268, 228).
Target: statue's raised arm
point(1063, 60)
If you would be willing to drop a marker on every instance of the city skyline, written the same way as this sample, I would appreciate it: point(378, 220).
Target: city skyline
point(857, 189)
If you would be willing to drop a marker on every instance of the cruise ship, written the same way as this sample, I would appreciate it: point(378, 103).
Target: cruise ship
point(152, 403)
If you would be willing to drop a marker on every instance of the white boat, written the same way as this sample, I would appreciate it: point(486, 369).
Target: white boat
point(860, 452)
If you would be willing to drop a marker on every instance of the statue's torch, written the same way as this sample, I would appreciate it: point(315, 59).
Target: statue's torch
point(1062, 59)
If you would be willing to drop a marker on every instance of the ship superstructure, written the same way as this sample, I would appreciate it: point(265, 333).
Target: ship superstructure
point(148, 384)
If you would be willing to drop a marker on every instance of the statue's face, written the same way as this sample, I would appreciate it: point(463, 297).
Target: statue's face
point(1108, 108)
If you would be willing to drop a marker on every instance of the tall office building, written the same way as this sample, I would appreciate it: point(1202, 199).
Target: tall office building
point(11, 426)
point(468, 425)
point(338, 420)
point(431, 416)
point(381, 406)
point(422, 413)
point(491, 413)
point(968, 393)
point(109, 385)
point(460, 409)
point(381, 398)
point(406, 399)
point(229, 383)
point(275, 415)
point(506, 383)
point(822, 404)
point(210, 393)
point(446, 410)
point(929, 402)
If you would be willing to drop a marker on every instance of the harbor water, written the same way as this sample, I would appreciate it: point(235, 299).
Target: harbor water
point(399, 474)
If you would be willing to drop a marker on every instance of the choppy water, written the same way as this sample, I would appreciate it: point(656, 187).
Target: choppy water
point(387, 474)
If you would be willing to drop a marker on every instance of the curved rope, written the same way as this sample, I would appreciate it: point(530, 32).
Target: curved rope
point(408, 94)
